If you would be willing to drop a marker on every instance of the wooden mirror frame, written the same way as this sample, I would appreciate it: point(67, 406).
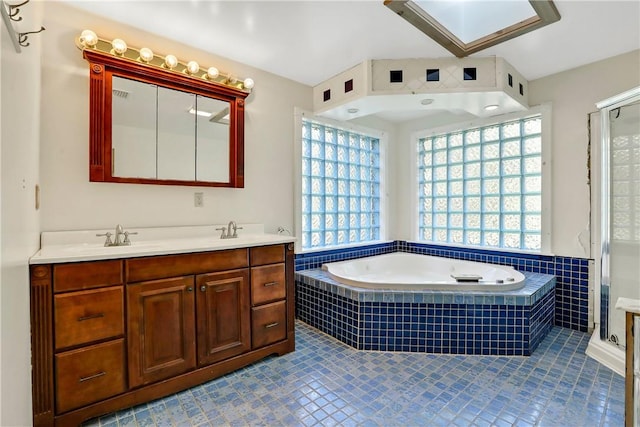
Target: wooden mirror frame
point(102, 67)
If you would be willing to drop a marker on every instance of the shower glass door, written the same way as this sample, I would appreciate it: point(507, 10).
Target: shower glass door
point(621, 208)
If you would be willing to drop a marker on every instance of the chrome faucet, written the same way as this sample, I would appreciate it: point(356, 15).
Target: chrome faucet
point(119, 241)
point(119, 233)
point(230, 232)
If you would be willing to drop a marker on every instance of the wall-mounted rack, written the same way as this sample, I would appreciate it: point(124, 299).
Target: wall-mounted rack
point(10, 14)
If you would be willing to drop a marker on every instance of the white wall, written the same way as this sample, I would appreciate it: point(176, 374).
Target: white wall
point(573, 95)
point(19, 226)
point(70, 201)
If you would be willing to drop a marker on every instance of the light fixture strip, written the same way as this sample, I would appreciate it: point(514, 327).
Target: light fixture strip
point(168, 63)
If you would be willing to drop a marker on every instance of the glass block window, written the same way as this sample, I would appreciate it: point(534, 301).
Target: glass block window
point(625, 187)
point(483, 186)
point(340, 186)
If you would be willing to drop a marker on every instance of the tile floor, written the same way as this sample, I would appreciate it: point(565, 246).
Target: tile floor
point(327, 383)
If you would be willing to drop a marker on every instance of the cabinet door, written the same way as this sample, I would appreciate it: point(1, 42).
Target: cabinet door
point(161, 335)
point(224, 316)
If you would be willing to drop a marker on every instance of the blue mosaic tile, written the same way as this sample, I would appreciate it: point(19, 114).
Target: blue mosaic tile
point(452, 323)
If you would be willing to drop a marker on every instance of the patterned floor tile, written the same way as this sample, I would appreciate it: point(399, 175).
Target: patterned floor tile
point(326, 383)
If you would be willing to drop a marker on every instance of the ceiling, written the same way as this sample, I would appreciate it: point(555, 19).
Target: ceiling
point(311, 41)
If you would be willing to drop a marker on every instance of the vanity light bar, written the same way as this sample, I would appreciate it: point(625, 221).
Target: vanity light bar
point(119, 48)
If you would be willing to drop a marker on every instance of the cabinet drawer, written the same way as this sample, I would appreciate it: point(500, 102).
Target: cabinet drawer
point(86, 275)
point(85, 316)
point(89, 374)
point(159, 267)
point(267, 284)
point(268, 324)
point(262, 255)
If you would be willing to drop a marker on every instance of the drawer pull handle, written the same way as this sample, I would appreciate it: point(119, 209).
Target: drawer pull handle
point(91, 377)
point(271, 325)
point(270, 284)
point(203, 288)
point(91, 316)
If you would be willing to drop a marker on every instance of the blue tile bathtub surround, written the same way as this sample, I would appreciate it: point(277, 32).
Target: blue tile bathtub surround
point(572, 274)
point(327, 383)
point(504, 323)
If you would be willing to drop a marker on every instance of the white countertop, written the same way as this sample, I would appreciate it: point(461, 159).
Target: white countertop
point(628, 304)
point(74, 246)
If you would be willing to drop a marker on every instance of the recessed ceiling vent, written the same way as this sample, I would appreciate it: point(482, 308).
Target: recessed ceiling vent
point(120, 93)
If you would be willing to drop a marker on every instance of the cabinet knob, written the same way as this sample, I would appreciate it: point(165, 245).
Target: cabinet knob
point(203, 288)
point(189, 289)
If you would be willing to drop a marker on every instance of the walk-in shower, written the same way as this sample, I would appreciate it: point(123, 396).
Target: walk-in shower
point(619, 220)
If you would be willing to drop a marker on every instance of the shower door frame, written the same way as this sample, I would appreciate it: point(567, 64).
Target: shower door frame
point(605, 107)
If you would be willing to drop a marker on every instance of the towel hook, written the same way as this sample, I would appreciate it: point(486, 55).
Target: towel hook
point(22, 37)
point(9, 15)
point(14, 10)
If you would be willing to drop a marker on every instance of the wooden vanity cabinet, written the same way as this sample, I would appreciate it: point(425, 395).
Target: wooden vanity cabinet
point(189, 318)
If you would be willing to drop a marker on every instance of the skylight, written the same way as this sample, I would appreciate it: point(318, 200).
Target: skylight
point(467, 26)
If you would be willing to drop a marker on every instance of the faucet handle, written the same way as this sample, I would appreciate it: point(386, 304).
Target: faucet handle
point(235, 231)
point(126, 237)
point(223, 235)
point(108, 235)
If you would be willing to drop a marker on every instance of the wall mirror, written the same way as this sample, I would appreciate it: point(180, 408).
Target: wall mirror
point(155, 126)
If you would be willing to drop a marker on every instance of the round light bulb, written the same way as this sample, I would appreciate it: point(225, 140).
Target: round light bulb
point(146, 54)
point(491, 107)
point(248, 83)
point(88, 38)
point(193, 67)
point(170, 61)
point(232, 79)
point(213, 72)
point(119, 46)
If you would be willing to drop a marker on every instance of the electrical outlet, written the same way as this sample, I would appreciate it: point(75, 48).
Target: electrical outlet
point(198, 199)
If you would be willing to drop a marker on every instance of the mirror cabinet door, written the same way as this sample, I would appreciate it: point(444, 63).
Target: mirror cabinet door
point(176, 135)
point(212, 140)
point(133, 129)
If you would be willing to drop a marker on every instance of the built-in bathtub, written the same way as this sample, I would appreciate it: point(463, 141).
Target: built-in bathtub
point(454, 321)
point(407, 271)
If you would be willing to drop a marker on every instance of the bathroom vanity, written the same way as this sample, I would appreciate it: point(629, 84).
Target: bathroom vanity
point(631, 307)
point(113, 327)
